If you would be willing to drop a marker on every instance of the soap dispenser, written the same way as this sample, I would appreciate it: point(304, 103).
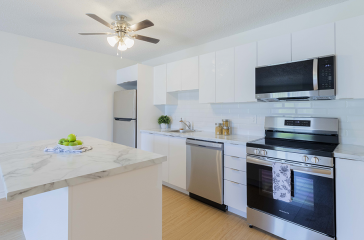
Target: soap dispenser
point(181, 125)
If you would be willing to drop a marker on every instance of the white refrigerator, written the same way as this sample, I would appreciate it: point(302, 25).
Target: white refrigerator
point(125, 118)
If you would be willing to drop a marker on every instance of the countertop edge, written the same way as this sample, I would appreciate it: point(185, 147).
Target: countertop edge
point(213, 139)
point(10, 196)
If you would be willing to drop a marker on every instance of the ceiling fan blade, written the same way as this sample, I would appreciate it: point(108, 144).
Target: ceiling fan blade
point(106, 33)
point(141, 25)
point(147, 39)
point(100, 20)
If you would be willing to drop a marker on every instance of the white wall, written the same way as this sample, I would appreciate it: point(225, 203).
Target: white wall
point(49, 90)
point(319, 17)
point(248, 118)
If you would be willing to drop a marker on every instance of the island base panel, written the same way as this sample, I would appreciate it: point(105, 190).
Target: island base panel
point(123, 206)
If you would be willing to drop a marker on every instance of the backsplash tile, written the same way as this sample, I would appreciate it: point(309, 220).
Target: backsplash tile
point(248, 118)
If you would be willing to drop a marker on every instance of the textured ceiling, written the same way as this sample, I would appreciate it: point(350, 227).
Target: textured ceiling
point(179, 24)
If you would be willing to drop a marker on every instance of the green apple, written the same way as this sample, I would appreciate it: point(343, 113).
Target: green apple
point(71, 137)
point(79, 142)
point(73, 144)
point(65, 140)
point(66, 143)
point(61, 141)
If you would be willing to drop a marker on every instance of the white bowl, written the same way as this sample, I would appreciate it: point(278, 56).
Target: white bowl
point(78, 147)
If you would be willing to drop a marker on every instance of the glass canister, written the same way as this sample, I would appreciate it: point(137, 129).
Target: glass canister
point(225, 123)
point(218, 128)
point(226, 131)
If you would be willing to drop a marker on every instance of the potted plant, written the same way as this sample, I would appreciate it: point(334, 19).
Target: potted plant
point(164, 121)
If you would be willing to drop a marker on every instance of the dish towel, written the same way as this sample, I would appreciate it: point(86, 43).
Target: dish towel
point(281, 182)
point(60, 150)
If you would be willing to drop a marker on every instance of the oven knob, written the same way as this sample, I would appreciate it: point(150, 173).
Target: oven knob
point(264, 152)
point(256, 151)
point(305, 158)
point(315, 160)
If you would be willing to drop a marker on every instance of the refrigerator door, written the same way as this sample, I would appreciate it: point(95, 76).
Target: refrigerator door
point(125, 105)
point(125, 132)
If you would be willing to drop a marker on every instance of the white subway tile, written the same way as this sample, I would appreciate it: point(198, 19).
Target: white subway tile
point(283, 111)
point(312, 111)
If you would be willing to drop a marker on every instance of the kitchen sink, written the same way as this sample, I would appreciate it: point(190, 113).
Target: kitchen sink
point(181, 131)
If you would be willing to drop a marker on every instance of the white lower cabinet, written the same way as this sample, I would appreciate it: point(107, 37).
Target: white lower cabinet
point(147, 142)
point(177, 162)
point(174, 169)
point(161, 147)
point(235, 195)
point(349, 199)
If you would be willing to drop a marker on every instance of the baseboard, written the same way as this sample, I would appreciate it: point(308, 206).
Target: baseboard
point(2, 195)
point(237, 212)
point(175, 188)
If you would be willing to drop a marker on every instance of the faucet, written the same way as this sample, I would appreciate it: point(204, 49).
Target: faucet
point(187, 125)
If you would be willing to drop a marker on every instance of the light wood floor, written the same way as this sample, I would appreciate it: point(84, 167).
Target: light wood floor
point(183, 218)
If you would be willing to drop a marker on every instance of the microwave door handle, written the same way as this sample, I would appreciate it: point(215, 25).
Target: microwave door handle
point(321, 172)
point(315, 74)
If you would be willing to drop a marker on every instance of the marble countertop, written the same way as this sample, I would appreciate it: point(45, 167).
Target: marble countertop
point(207, 136)
point(27, 170)
point(347, 151)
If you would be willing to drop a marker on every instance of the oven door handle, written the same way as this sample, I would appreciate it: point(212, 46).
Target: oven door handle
point(321, 172)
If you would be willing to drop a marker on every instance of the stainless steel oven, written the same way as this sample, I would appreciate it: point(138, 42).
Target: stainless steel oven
point(306, 145)
point(312, 79)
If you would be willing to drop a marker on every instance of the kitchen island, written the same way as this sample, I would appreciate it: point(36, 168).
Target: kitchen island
point(110, 192)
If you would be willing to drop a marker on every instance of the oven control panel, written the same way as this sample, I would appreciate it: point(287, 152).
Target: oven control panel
point(280, 155)
point(297, 123)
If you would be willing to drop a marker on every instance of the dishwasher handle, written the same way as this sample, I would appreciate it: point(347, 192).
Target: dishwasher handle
point(199, 143)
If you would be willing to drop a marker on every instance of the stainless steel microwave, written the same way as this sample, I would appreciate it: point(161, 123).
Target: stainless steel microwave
point(312, 79)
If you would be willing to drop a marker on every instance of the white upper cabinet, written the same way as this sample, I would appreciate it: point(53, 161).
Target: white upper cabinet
point(127, 74)
point(174, 80)
point(245, 63)
point(189, 73)
point(274, 50)
point(350, 58)
point(160, 84)
point(313, 42)
point(207, 78)
point(225, 75)
point(160, 95)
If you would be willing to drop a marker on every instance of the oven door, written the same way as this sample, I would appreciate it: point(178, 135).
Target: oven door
point(313, 204)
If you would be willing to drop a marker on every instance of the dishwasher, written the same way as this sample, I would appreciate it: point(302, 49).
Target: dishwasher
point(205, 172)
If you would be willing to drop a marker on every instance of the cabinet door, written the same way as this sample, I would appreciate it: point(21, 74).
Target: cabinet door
point(235, 195)
point(177, 162)
point(161, 147)
point(127, 74)
point(349, 199)
point(313, 42)
point(160, 84)
point(189, 73)
point(350, 57)
point(274, 50)
point(174, 76)
point(147, 142)
point(207, 78)
point(225, 75)
point(245, 63)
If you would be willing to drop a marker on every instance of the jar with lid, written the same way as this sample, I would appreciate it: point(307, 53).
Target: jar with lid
point(218, 128)
point(225, 123)
point(226, 131)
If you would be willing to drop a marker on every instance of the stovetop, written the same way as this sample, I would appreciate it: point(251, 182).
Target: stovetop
point(288, 145)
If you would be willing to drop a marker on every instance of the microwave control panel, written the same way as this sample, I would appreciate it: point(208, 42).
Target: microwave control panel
point(326, 73)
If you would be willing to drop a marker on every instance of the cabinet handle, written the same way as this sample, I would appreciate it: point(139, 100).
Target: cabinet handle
point(235, 169)
point(234, 182)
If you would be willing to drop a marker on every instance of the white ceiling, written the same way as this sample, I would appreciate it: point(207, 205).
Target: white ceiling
point(179, 24)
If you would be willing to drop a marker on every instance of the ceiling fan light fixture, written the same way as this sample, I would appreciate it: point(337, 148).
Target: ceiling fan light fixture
point(113, 40)
point(122, 46)
point(129, 42)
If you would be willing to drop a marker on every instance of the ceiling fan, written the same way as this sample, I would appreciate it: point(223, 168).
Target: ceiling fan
point(124, 32)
